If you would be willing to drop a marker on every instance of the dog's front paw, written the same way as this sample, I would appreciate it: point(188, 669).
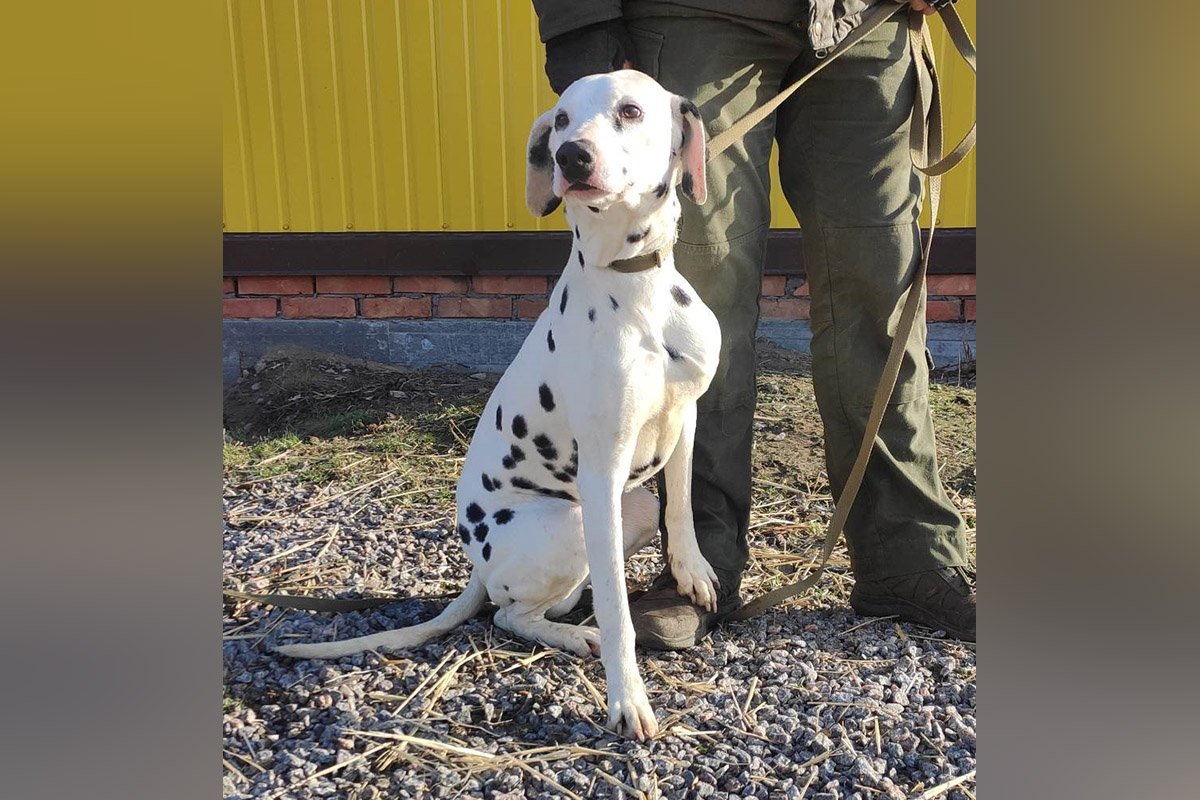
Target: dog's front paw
point(696, 579)
point(630, 714)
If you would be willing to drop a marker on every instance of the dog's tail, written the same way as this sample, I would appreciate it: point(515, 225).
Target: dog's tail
point(461, 608)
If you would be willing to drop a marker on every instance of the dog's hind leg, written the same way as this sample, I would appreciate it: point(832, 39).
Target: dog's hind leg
point(461, 608)
point(530, 623)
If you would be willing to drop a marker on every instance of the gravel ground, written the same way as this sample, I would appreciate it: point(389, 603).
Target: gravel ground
point(807, 702)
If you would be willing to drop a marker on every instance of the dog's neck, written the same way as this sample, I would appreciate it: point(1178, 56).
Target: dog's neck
point(622, 231)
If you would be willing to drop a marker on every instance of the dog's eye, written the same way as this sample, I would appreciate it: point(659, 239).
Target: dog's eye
point(630, 111)
point(560, 120)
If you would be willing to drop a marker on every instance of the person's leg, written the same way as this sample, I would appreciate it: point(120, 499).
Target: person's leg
point(726, 68)
point(846, 171)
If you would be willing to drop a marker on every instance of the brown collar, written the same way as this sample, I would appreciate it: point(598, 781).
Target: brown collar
point(638, 263)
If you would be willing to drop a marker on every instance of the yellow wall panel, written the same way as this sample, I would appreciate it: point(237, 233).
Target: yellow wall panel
point(412, 115)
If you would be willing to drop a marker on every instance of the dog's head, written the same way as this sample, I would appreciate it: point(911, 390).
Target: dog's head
point(611, 138)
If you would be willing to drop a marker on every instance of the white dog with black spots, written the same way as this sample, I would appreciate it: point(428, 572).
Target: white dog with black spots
point(601, 396)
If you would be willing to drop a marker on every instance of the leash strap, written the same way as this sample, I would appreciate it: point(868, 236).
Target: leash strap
point(333, 604)
point(925, 150)
point(878, 15)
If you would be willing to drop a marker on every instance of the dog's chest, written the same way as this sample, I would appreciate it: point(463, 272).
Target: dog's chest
point(627, 358)
point(646, 340)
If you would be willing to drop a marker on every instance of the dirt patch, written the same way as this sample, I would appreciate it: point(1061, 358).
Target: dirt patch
point(300, 399)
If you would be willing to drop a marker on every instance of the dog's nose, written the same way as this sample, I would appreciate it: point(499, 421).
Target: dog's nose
point(575, 160)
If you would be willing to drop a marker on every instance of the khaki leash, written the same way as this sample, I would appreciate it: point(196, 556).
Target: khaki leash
point(925, 149)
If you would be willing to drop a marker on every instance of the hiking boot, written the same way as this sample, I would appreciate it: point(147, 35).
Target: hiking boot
point(663, 619)
point(942, 599)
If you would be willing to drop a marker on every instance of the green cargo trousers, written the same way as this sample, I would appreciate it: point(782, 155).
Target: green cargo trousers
point(846, 173)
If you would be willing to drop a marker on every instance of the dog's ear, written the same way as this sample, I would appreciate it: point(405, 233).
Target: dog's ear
point(539, 169)
point(693, 151)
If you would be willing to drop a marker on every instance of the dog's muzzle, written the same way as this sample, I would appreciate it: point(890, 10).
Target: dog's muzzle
point(576, 160)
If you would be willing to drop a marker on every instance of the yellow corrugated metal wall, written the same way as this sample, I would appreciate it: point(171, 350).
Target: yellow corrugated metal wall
point(411, 115)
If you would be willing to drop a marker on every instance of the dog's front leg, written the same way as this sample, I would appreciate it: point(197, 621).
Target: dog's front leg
point(693, 574)
point(602, 470)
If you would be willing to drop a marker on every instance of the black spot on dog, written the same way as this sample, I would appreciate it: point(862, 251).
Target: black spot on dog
point(503, 516)
point(549, 467)
point(481, 531)
point(525, 483)
point(688, 107)
point(637, 237)
point(509, 463)
point(546, 397)
point(499, 418)
point(516, 453)
point(539, 152)
point(593, 209)
point(564, 476)
point(487, 551)
point(580, 254)
point(497, 482)
point(614, 302)
point(591, 315)
point(506, 587)
point(571, 469)
point(475, 513)
point(541, 440)
point(654, 462)
point(672, 352)
point(487, 483)
point(562, 304)
point(553, 204)
point(550, 340)
point(548, 452)
point(681, 296)
point(519, 428)
point(576, 231)
point(687, 185)
point(464, 534)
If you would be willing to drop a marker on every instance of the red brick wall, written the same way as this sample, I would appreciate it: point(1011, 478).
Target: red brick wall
point(951, 297)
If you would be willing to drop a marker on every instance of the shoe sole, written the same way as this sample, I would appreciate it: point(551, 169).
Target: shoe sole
point(657, 643)
point(907, 611)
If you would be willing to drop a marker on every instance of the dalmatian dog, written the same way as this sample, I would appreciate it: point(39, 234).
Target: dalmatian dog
point(601, 396)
